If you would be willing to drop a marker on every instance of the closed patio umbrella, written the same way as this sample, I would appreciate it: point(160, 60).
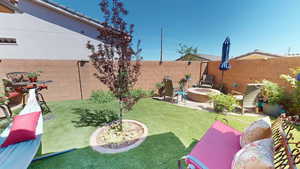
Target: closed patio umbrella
point(298, 77)
point(225, 57)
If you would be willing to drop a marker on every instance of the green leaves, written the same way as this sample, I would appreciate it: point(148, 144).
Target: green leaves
point(272, 92)
point(185, 50)
point(94, 118)
point(101, 97)
point(34, 74)
point(222, 102)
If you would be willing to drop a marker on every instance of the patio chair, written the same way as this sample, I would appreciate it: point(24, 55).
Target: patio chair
point(168, 91)
point(6, 94)
point(250, 97)
point(207, 81)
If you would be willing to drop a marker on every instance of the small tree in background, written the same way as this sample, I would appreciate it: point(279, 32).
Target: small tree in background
point(113, 59)
point(186, 50)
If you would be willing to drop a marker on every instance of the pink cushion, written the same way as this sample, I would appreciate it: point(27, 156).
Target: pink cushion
point(217, 147)
point(13, 94)
point(23, 128)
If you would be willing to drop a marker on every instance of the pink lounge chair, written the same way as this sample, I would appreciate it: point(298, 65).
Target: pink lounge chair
point(215, 150)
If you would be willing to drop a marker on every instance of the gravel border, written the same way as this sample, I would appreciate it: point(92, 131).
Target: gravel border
point(95, 147)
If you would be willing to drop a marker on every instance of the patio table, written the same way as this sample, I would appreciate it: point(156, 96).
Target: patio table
point(39, 86)
point(182, 94)
point(27, 83)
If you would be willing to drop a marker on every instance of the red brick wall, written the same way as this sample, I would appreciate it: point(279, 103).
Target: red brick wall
point(151, 73)
point(63, 73)
point(66, 80)
point(243, 72)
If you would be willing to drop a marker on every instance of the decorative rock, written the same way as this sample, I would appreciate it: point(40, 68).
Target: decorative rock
point(94, 145)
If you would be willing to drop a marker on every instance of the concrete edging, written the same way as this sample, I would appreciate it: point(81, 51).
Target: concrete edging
point(100, 149)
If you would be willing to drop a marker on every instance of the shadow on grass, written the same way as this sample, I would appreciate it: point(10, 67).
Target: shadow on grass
point(93, 118)
point(157, 152)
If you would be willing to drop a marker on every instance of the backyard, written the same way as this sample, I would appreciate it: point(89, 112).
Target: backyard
point(173, 131)
point(90, 97)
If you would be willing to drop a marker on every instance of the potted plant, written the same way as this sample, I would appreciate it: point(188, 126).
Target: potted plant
point(33, 76)
point(272, 95)
point(182, 82)
point(223, 102)
point(188, 77)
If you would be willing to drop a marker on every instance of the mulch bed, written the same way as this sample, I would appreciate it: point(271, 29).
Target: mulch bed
point(113, 139)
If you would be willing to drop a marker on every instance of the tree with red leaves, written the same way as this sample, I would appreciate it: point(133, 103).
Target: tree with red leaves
point(113, 59)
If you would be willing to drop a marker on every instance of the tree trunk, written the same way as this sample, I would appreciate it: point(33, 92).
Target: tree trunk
point(121, 115)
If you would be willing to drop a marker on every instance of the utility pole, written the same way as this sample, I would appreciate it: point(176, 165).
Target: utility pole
point(161, 46)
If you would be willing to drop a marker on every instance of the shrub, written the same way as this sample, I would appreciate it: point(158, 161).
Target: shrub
point(101, 97)
point(291, 99)
point(292, 104)
point(137, 94)
point(272, 92)
point(159, 85)
point(149, 93)
point(94, 118)
point(223, 102)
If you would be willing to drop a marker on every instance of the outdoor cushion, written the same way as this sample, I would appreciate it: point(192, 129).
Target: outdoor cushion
point(13, 94)
point(216, 149)
point(256, 155)
point(260, 129)
point(23, 128)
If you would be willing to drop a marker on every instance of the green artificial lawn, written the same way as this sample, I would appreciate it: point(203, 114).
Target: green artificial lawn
point(173, 132)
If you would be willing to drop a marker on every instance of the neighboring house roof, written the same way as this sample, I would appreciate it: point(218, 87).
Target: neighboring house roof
point(195, 57)
point(64, 10)
point(259, 53)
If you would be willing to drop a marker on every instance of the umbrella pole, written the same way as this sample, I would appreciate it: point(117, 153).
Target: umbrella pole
point(222, 86)
point(222, 76)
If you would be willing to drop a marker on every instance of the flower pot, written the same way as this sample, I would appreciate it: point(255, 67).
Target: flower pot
point(33, 79)
point(272, 109)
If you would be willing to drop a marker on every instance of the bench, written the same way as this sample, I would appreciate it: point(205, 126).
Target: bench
point(286, 149)
point(220, 143)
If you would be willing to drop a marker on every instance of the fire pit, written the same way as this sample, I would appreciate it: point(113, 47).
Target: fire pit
point(201, 94)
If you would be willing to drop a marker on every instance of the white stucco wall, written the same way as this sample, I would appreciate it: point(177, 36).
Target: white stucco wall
point(42, 33)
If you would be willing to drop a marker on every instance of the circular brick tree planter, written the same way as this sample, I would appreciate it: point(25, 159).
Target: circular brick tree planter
point(95, 145)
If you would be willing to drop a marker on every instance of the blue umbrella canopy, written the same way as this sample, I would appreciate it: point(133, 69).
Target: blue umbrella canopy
point(225, 55)
point(298, 77)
